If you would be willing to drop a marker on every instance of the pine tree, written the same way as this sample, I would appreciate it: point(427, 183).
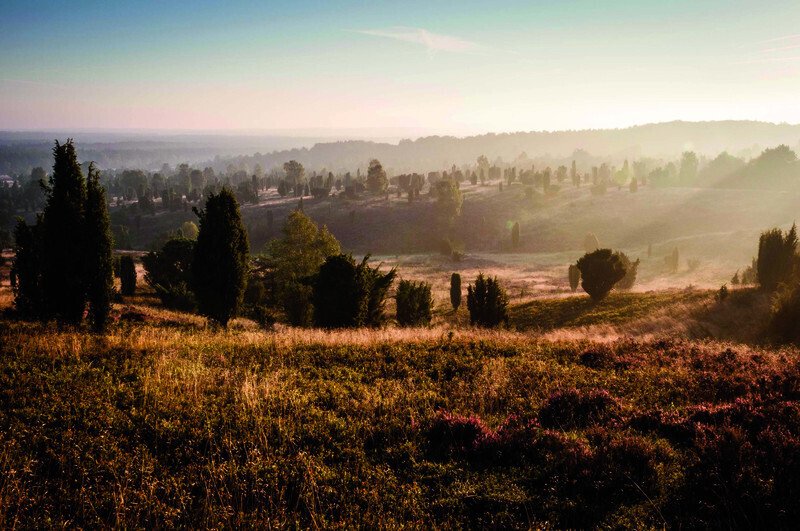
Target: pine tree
point(455, 291)
point(487, 302)
point(64, 238)
point(127, 275)
point(574, 275)
point(515, 236)
point(219, 267)
point(776, 257)
point(26, 270)
point(98, 257)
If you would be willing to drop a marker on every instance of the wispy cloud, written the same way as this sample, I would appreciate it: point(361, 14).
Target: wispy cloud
point(433, 42)
point(771, 51)
point(795, 37)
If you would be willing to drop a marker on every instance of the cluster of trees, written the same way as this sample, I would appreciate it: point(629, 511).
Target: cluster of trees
point(208, 274)
point(63, 263)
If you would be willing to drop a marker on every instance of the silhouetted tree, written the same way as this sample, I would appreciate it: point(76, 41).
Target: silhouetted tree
point(127, 275)
point(168, 272)
point(574, 275)
point(98, 258)
point(64, 238)
point(631, 268)
point(455, 291)
point(776, 257)
point(376, 177)
point(295, 258)
point(346, 294)
point(487, 302)
point(295, 177)
point(414, 303)
point(600, 271)
point(219, 266)
point(515, 236)
point(672, 260)
point(26, 270)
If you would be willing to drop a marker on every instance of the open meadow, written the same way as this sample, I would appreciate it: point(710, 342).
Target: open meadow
point(576, 415)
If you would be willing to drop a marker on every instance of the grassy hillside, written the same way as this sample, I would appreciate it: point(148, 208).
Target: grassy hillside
point(165, 422)
point(718, 228)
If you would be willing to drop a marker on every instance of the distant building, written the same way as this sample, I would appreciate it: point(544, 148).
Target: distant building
point(6, 180)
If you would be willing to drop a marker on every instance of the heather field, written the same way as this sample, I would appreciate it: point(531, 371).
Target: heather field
point(166, 422)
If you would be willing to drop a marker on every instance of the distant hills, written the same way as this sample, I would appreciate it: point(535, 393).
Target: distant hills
point(664, 140)
point(746, 139)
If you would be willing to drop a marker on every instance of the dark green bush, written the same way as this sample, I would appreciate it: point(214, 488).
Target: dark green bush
point(574, 275)
point(785, 319)
point(455, 290)
point(127, 275)
point(627, 282)
point(347, 295)
point(600, 271)
point(776, 257)
point(219, 266)
point(26, 270)
point(168, 271)
point(414, 303)
point(487, 302)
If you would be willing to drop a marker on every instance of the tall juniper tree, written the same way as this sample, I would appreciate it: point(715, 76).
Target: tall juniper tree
point(26, 270)
point(219, 267)
point(99, 260)
point(64, 238)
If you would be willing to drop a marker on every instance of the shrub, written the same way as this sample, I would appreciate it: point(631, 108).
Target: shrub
point(785, 318)
point(451, 435)
point(219, 266)
point(600, 271)
point(26, 270)
point(98, 259)
point(722, 294)
point(127, 275)
point(574, 275)
point(631, 268)
point(515, 236)
point(776, 257)
point(575, 408)
point(347, 295)
point(294, 259)
point(414, 303)
point(487, 302)
point(455, 291)
point(168, 271)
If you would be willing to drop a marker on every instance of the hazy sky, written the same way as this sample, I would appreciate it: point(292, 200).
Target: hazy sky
point(431, 66)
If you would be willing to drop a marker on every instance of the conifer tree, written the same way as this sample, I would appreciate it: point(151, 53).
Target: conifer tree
point(98, 255)
point(64, 238)
point(26, 270)
point(515, 236)
point(487, 302)
point(127, 275)
point(455, 291)
point(219, 267)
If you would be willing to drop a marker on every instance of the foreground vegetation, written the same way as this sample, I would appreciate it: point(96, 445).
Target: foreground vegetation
point(163, 421)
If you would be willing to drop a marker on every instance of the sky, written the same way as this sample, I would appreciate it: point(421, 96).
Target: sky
point(428, 67)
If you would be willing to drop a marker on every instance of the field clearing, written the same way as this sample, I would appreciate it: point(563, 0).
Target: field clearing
point(166, 422)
